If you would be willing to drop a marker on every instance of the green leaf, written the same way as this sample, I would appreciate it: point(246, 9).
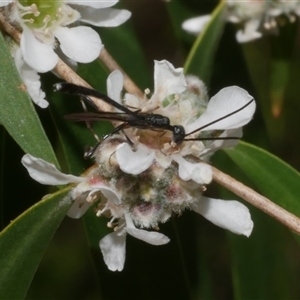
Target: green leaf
point(17, 112)
point(263, 257)
point(270, 62)
point(24, 241)
point(201, 57)
point(178, 12)
point(273, 177)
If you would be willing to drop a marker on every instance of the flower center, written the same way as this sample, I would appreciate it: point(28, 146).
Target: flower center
point(40, 13)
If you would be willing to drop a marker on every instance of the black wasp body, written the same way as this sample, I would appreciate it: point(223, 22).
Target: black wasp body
point(129, 118)
point(136, 118)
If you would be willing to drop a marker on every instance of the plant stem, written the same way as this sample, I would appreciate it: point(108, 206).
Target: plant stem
point(275, 211)
point(112, 65)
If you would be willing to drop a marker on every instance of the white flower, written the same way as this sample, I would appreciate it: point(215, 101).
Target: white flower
point(46, 34)
point(256, 17)
point(143, 183)
point(126, 208)
point(184, 101)
point(31, 80)
point(84, 194)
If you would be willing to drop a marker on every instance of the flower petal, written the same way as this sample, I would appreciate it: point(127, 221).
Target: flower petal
point(230, 215)
point(114, 85)
point(78, 208)
point(5, 2)
point(249, 32)
point(37, 55)
point(226, 101)
point(150, 237)
point(46, 173)
point(217, 144)
point(31, 80)
point(107, 17)
point(167, 80)
point(111, 195)
point(113, 249)
point(80, 43)
point(94, 4)
point(199, 172)
point(195, 25)
point(134, 162)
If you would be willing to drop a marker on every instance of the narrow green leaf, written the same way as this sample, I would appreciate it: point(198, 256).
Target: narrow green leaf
point(273, 177)
point(270, 63)
point(178, 12)
point(202, 55)
point(24, 241)
point(17, 112)
point(262, 260)
point(278, 81)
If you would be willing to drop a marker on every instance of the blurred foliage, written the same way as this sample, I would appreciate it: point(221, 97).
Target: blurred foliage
point(202, 261)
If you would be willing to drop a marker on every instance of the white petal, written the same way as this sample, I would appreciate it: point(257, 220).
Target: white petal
point(107, 17)
point(36, 54)
point(113, 249)
point(31, 80)
point(111, 195)
point(94, 3)
point(5, 2)
point(226, 101)
point(231, 215)
point(217, 144)
point(78, 208)
point(195, 25)
point(80, 43)
point(114, 85)
point(163, 160)
point(46, 173)
point(150, 237)
point(136, 162)
point(199, 172)
point(167, 79)
point(249, 33)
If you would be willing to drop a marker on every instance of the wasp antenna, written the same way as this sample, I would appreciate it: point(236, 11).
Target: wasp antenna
point(222, 118)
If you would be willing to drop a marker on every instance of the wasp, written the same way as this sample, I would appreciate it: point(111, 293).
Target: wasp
point(130, 118)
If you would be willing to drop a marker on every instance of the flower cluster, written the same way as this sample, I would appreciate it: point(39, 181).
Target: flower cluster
point(255, 16)
point(50, 32)
point(141, 184)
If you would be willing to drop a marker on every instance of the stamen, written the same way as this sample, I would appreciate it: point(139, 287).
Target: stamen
point(92, 197)
point(35, 10)
point(203, 188)
point(26, 10)
point(111, 224)
point(101, 211)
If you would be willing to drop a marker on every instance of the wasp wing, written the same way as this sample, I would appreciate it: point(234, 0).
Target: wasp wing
point(90, 116)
